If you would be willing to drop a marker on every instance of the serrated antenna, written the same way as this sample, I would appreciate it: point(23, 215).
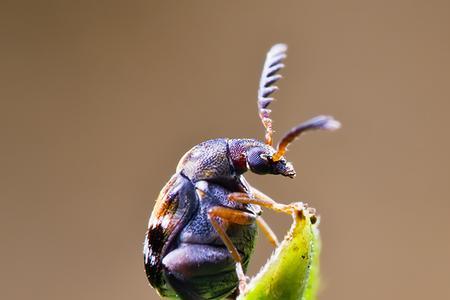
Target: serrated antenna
point(269, 76)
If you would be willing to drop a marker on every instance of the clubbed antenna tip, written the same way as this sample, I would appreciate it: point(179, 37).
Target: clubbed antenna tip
point(323, 122)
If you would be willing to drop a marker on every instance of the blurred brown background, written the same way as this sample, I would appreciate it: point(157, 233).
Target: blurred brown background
point(99, 100)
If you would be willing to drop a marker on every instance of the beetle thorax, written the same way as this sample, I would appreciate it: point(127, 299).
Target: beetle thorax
point(207, 161)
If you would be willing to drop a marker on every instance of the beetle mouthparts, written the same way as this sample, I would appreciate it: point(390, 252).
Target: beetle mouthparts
point(288, 170)
point(290, 174)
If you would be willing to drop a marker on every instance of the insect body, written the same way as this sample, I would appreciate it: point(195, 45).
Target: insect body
point(202, 229)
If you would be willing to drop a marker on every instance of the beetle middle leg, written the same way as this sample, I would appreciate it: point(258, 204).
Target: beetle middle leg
point(237, 217)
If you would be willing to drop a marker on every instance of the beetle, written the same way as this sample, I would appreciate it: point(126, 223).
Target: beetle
point(202, 230)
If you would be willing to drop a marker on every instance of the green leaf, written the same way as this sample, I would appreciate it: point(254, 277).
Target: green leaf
point(292, 273)
point(314, 275)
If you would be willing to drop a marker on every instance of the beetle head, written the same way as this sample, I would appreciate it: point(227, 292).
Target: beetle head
point(271, 161)
point(260, 161)
point(264, 159)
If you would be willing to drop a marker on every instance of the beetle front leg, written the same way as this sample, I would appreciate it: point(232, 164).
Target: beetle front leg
point(237, 217)
point(261, 201)
point(259, 198)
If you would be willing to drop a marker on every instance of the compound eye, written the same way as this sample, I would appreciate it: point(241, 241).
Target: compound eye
point(258, 162)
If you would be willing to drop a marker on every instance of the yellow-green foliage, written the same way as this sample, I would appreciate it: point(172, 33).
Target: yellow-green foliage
point(292, 273)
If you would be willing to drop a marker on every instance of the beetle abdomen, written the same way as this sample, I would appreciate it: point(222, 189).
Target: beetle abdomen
point(200, 271)
point(200, 266)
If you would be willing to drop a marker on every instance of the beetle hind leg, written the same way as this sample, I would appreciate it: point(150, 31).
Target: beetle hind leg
point(268, 232)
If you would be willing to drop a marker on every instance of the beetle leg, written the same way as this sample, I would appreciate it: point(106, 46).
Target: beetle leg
point(261, 199)
point(237, 217)
point(268, 232)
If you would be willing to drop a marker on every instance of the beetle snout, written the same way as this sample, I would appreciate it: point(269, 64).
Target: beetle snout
point(286, 170)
